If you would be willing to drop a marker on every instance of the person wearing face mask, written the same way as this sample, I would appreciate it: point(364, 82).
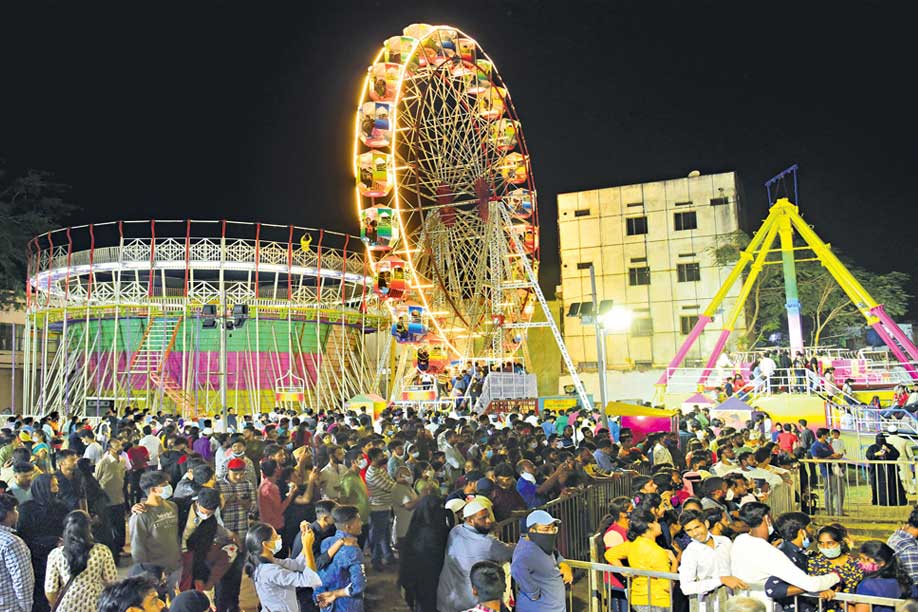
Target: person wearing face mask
point(754, 560)
point(154, 532)
point(353, 490)
point(535, 493)
point(468, 543)
point(237, 450)
point(834, 556)
point(276, 580)
point(794, 530)
point(883, 576)
point(208, 548)
point(538, 569)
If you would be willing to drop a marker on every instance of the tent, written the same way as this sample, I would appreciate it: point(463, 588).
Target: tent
point(372, 403)
point(734, 412)
point(699, 399)
point(643, 420)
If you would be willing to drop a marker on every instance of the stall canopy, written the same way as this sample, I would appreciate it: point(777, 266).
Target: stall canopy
point(642, 420)
point(733, 413)
point(373, 403)
point(699, 400)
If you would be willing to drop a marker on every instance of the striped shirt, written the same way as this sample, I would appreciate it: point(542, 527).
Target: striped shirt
point(379, 485)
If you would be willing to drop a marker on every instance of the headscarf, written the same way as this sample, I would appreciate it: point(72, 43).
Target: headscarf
point(190, 601)
point(880, 439)
point(40, 447)
point(41, 490)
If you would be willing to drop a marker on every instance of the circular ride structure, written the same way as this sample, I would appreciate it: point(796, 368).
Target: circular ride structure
point(182, 315)
point(445, 196)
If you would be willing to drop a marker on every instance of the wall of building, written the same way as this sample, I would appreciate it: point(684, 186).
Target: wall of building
point(11, 322)
point(593, 229)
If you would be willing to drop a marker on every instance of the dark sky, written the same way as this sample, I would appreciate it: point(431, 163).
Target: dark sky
point(245, 110)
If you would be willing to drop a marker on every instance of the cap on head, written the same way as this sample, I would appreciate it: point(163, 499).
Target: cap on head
point(484, 486)
point(235, 464)
point(540, 517)
point(455, 504)
point(472, 508)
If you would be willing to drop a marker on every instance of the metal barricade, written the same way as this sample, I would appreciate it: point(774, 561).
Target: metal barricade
point(651, 591)
point(869, 489)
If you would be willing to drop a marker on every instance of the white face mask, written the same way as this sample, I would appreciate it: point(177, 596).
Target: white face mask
point(278, 544)
point(166, 492)
point(528, 477)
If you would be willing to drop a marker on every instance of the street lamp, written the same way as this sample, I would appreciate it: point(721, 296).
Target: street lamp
point(211, 318)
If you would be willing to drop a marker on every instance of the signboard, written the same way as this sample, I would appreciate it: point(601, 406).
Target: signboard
point(289, 396)
point(556, 403)
point(98, 406)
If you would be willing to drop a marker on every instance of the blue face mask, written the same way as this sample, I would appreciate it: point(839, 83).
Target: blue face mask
point(489, 454)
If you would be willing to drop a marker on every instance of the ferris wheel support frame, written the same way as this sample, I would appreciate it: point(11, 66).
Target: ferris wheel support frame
point(549, 322)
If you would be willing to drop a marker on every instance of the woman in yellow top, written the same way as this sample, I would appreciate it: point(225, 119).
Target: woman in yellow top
point(642, 552)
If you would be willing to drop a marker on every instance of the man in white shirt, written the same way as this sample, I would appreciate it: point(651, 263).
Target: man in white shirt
point(705, 565)
point(726, 463)
point(906, 457)
point(94, 450)
point(754, 560)
point(152, 444)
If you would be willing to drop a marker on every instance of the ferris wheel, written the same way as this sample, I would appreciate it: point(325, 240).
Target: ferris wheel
point(445, 194)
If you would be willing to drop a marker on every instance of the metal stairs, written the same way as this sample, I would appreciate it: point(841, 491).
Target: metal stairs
point(150, 360)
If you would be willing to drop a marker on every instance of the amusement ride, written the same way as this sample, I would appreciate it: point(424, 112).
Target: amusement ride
point(448, 208)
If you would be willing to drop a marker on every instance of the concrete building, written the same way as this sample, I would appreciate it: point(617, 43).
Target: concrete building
point(12, 323)
point(652, 247)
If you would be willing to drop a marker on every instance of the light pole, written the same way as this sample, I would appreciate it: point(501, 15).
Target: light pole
point(600, 349)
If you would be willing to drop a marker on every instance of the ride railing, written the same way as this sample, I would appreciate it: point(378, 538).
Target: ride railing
point(877, 490)
point(641, 588)
point(505, 385)
point(869, 420)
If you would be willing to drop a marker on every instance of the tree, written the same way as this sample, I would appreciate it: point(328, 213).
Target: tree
point(825, 308)
point(31, 203)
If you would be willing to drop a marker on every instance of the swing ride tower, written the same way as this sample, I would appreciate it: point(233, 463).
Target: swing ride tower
point(192, 316)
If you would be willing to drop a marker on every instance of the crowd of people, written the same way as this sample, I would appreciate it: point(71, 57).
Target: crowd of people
point(289, 511)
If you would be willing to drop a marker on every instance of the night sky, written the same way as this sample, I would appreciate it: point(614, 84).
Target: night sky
point(245, 110)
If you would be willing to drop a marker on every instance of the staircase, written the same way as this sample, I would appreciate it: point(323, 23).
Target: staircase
point(150, 359)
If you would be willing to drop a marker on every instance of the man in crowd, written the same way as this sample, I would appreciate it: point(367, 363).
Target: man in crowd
point(539, 571)
point(754, 560)
point(469, 542)
point(17, 579)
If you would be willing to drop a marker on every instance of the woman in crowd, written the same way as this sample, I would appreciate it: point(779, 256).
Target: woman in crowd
point(614, 528)
point(886, 487)
point(423, 554)
point(79, 570)
point(883, 576)
point(41, 524)
point(834, 556)
point(276, 580)
point(642, 552)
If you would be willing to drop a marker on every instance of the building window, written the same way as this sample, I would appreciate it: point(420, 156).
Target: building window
point(583, 212)
point(636, 225)
point(686, 324)
point(722, 201)
point(584, 265)
point(688, 272)
point(638, 276)
point(685, 221)
point(683, 203)
point(642, 327)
